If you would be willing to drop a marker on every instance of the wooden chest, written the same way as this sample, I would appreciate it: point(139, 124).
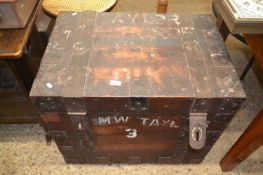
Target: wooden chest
point(136, 88)
point(15, 13)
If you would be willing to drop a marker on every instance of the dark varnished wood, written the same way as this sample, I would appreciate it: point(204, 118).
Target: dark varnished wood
point(255, 42)
point(12, 41)
point(24, 66)
point(222, 27)
point(106, 76)
point(248, 142)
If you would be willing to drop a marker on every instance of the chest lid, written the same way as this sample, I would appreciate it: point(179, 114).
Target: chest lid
point(136, 55)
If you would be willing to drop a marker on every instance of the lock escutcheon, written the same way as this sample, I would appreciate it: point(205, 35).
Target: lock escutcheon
point(197, 134)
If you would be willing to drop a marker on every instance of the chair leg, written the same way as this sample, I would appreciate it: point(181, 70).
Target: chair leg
point(248, 142)
point(50, 27)
point(162, 6)
point(250, 63)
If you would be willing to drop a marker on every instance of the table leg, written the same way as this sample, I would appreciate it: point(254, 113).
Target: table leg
point(26, 67)
point(50, 27)
point(250, 63)
point(162, 6)
point(248, 142)
point(22, 73)
point(37, 50)
point(222, 27)
point(255, 42)
point(37, 43)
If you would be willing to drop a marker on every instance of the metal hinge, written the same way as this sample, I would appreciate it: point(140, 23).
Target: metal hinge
point(197, 132)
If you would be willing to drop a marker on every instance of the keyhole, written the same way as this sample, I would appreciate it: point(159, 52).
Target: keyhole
point(197, 135)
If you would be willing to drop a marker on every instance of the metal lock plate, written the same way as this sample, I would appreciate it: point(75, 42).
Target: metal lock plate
point(197, 130)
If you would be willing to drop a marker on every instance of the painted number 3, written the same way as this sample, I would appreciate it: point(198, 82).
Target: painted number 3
point(131, 133)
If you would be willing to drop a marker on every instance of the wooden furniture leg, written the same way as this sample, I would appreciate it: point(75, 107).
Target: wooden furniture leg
point(50, 27)
point(37, 50)
point(162, 6)
point(248, 142)
point(23, 74)
point(224, 31)
point(25, 68)
point(249, 64)
point(255, 42)
point(222, 27)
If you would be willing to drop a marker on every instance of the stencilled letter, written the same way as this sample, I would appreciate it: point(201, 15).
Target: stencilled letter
point(121, 119)
point(144, 121)
point(104, 121)
point(165, 122)
point(174, 125)
point(155, 122)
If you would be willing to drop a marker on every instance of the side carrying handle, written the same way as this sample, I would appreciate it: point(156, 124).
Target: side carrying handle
point(197, 132)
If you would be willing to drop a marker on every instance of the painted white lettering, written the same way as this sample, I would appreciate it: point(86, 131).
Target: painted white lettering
point(121, 119)
point(165, 122)
point(144, 120)
point(155, 122)
point(173, 125)
point(131, 133)
point(104, 121)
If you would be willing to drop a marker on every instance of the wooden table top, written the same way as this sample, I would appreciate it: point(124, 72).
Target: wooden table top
point(12, 41)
